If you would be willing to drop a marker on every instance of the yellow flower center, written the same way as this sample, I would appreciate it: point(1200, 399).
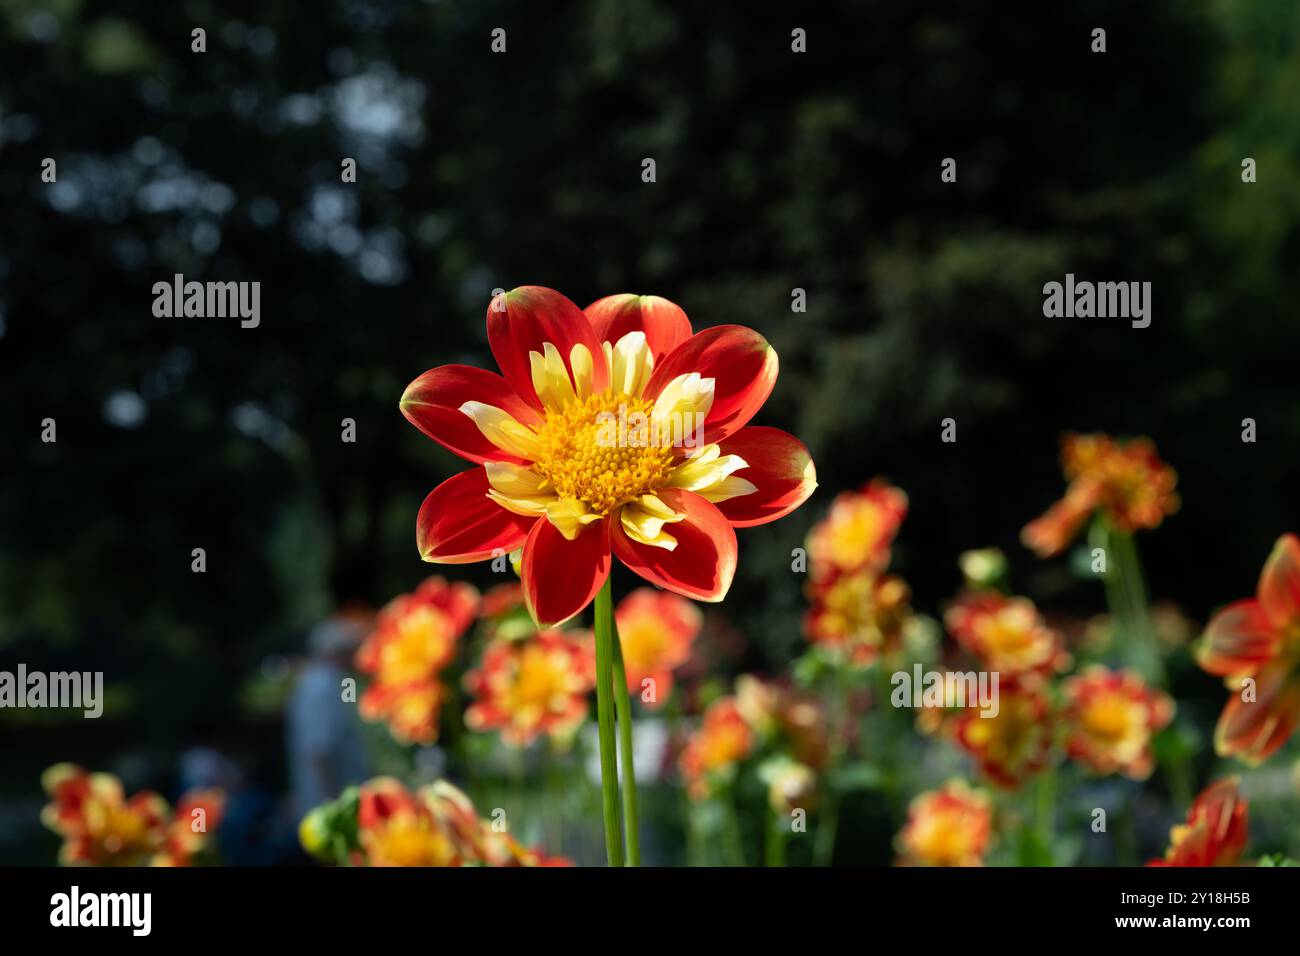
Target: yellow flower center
point(603, 450)
point(411, 840)
point(423, 640)
point(855, 533)
point(542, 679)
point(943, 838)
point(645, 645)
point(1112, 718)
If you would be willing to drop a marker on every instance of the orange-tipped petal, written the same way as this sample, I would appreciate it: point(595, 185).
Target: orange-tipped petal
point(1216, 830)
point(741, 363)
point(1238, 640)
point(702, 563)
point(433, 401)
point(562, 576)
point(1253, 730)
point(664, 323)
point(1279, 584)
point(1052, 532)
point(778, 465)
point(458, 523)
point(523, 320)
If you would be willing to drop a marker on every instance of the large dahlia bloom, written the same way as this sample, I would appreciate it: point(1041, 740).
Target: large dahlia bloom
point(1259, 638)
point(610, 432)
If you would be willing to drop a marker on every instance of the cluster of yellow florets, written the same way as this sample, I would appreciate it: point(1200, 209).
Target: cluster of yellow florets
point(603, 450)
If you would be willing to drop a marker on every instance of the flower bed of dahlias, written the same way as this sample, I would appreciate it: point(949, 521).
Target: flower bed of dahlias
point(575, 718)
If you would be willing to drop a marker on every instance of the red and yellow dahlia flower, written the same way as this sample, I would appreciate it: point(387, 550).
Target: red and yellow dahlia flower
point(1111, 717)
point(414, 639)
point(1015, 743)
point(610, 432)
point(1215, 832)
point(1007, 634)
point(537, 685)
point(859, 615)
point(437, 826)
point(951, 826)
point(1125, 481)
point(398, 828)
point(858, 530)
point(656, 629)
point(1259, 638)
point(98, 824)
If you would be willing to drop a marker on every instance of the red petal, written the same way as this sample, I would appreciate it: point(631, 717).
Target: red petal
point(521, 320)
point(432, 404)
point(562, 576)
point(1279, 584)
point(704, 561)
point(1238, 640)
point(1253, 730)
point(664, 323)
point(742, 365)
point(459, 523)
point(779, 464)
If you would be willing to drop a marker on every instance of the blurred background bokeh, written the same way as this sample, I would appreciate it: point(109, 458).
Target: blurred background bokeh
point(775, 171)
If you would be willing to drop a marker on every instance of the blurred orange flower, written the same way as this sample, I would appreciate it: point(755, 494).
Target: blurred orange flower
point(723, 739)
point(1125, 481)
point(858, 614)
point(413, 641)
point(438, 826)
point(537, 685)
point(951, 826)
point(1007, 634)
point(396, 828)
point(857, 532)
point(1111, 717)
point(1259, 638)
point(656, 630)
point(1215, 832)
point(1016, 742)
point(100, 826)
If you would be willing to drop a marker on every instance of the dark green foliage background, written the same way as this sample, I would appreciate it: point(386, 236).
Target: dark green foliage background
point(775, 171)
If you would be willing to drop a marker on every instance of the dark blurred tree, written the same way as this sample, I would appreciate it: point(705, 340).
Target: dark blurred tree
point(477, 170)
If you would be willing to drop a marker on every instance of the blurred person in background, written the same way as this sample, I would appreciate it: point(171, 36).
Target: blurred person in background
point(326, 750)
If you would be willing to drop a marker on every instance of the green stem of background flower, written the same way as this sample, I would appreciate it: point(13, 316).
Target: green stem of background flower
point(829, 819)
point(1126, 595)
point(624, 707)
point(605, 724)
point(774, 847)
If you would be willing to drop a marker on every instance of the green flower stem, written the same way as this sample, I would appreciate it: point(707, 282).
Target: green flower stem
point(1135, 584)
point(1045, 810)
point(774, 848)
point(605, 724)
point(624, 707)
point(735, 841)
point(1127, 599)
point(829, 819)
